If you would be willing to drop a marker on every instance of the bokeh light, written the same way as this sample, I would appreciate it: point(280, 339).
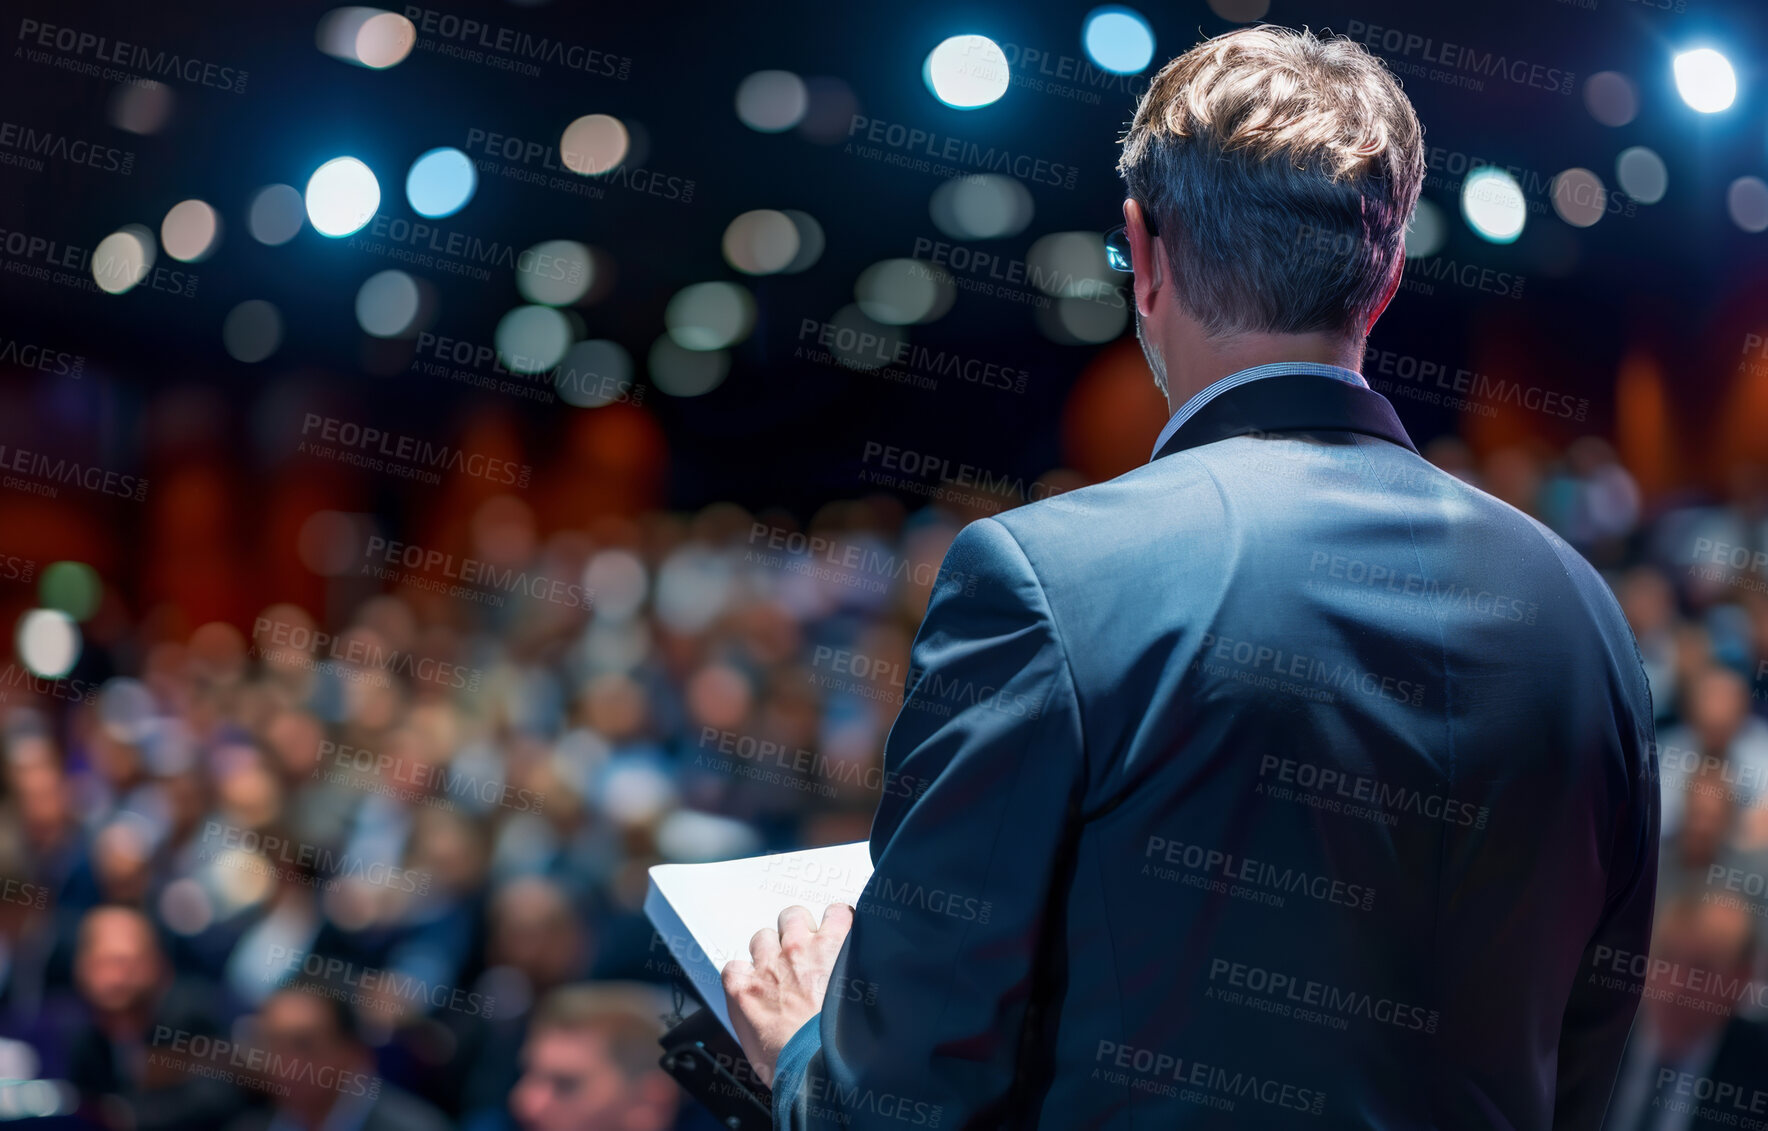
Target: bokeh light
point(72, 587)
point(1747, 202)
point(123, 258)
point(252, 331)
point(593, 374)
point(190, 230)
point(441, 182)
point(898, 292)
point(985, 206)
point(532, 339)
point(368, 37)
point(594, 144)
point(682, 372)
point(141, 107)
point(967, 71)
point(1705, 80)
point(342, 196)
point(1071, 265)
point(858, 341)
point(761, 242)
point(771, 102)
point(1427, 232)
point(832, 107)
point(385, 40)
point(810, 241)
point(555, 272)
point(1579, 197)
point(47, 642)
point(709, 316)
point(1493, 204)
point(1642, 174)
point(387, 304)
point(1083, 321)
point(1118, 39)
point(1611, 98)
point(276, 214)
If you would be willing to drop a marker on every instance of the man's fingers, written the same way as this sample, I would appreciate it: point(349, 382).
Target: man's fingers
point(837, 921)
point(763, 946)
point(735, 973)
point(796, 925)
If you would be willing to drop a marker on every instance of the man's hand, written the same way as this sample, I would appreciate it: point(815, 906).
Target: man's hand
point(772, 997)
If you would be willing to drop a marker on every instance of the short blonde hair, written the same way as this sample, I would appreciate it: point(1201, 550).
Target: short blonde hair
point(1280, 170)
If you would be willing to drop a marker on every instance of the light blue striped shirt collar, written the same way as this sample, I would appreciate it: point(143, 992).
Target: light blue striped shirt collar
point(1235, 380)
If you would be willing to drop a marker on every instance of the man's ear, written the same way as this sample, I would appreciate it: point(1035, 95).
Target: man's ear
point(1147, 258)
point(1393, 286)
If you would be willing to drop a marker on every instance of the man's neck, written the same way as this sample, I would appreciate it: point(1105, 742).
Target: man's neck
point(1214, 360)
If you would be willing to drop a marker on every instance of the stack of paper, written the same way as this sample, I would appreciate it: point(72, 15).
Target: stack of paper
point(707, 913)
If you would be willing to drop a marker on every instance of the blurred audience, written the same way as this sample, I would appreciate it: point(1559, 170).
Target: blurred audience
point(407, 841)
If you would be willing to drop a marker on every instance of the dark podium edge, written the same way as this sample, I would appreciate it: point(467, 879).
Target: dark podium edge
point(702, 1057)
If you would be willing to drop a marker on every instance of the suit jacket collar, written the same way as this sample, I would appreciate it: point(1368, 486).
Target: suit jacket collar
point(1290, 402)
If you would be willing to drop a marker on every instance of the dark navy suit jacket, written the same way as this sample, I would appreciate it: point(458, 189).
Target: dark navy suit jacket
point(1285, 781)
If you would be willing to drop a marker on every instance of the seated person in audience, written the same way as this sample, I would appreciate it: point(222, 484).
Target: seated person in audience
point(1691, 1042)
point(134, 1063)
point(319, 1073)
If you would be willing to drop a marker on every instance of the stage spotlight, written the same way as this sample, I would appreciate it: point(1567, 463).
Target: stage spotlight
point(1493, 205)
point(1118, 40)
point(1705, 80)
point(966, 71)
point(441, 182)
point(342, 196)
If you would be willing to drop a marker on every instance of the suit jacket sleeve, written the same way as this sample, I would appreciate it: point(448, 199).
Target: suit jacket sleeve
point(1605, 995)
point(984, 770)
